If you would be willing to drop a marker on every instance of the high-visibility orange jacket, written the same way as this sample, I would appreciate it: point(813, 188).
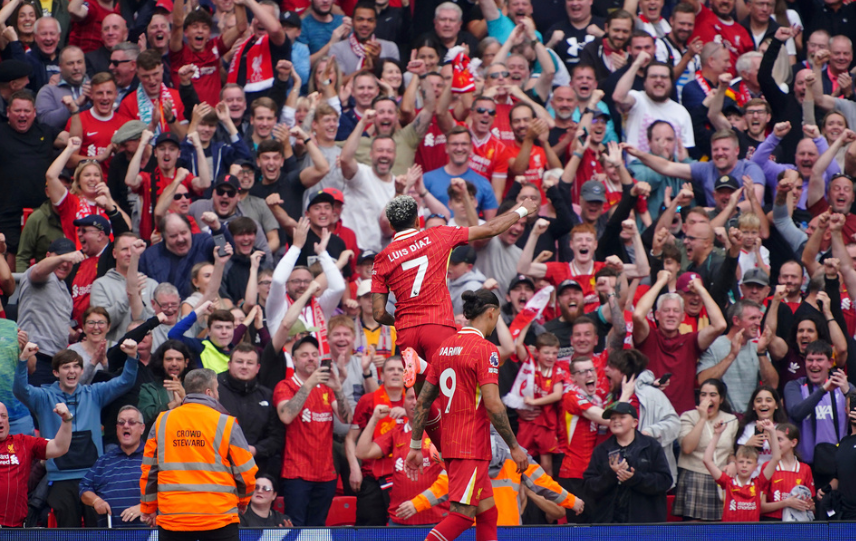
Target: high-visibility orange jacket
point(197, 468)
point(506, 486)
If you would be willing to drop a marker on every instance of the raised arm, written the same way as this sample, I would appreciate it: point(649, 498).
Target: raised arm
point(280, 337)
point(839, 251)
point(621, 95)
point(645, 305)
point(132, 177)
point(814, 82)
point(709, 463)
point(526, 265)
point(717, 324)
point(714, 112)
point(347, 158)
point(60, 443)
point(266, 19)
point(501, 223)
point(660, 165)
point(56, 190)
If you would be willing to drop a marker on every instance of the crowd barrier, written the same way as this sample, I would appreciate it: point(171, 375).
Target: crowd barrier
point(763, 531)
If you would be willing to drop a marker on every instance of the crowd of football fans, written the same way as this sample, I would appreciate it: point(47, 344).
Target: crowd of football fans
point(216, 175)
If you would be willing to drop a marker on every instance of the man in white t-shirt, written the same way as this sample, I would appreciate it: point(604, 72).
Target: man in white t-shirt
point(367, 189)
point(644, 108)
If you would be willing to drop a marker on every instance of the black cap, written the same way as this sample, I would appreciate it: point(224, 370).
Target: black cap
point(756, 276)
point(308, 339)
point(245, 163)
point(94, 220)
point(569, 283)
point(321, 197)
point(726, 181)
point(228, 180)
point(167, 137)
point(366, 255)
point(620, 407)
point(733, 109)
point(291, 18)
point(521, 279)
point(463, 254)
point(62, 246)
point(11, 70)
point(593, 190)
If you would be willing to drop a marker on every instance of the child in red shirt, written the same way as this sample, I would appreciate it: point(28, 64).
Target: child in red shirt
point(539, 436)
point(789, 473)
point(743, 494)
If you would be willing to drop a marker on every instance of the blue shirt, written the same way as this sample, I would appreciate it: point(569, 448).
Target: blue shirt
point(115, 478)
point(706, 174)
point(316, 34)
point(438, 181)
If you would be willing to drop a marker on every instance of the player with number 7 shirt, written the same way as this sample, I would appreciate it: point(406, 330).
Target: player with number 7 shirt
point(464, 375)
point(413, 266)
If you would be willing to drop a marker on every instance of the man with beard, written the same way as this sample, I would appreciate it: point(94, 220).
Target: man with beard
point(755, 286)
point(642, 108)
point(662, 141)
point(608, 54)
point(97, 125)
point(737, 358)
point(717, 273)
point(715, 60)
point(563, 103)
point(570, 299)
point(575, 28)
point(322, 28)
point(725, 150)
point(676, 49)
point(525, 157)
point(50, 108)
point(153, 102)
point(114, 31)
point(489, 154)
point(716, 25)
point(547, 231)
point(808, 150)
point(362, 50)
point(369, 188)
point(668, 350)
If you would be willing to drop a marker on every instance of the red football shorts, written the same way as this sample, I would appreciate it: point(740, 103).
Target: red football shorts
point(424, 339)
point(537, 439)
point(469, 482)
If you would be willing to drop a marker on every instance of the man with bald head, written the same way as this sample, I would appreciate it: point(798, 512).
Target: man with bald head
point(718, 273)
point(49, 102)
point(114, 30)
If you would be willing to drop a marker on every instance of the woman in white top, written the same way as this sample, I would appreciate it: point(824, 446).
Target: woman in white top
point(696, 494)
point(764, 403)
point(93, 348)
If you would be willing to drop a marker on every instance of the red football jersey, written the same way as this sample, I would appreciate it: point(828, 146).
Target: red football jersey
point(431, 152)
point(16, 455)
point(298, 6)
point(502, 123)
point(559, 272)
point(733, 35)
point(206, 80)
point(463, 364)
point(131, 109)
point(613, 197)
point(413, 266)
point(71, 208)
point(147, 207)
point(97, 133)
point(86, 34)
point(362, 413)
point(489, 158)
point(577, 434)
point(783, 481)
point(87, 272)
point(308, 452)
point(396, 443)
point(742, 502)
point(549, 417)
point(534, 171)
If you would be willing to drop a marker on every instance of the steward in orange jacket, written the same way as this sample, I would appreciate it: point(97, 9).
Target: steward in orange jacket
point(197, 471)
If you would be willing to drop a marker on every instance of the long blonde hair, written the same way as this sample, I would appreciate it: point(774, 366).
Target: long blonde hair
point(75, 183)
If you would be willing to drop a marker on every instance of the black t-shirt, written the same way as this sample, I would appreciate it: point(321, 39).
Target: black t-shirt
point(251, 520)
point(289, 188)
point(845, 461)
point(335, 247)
point(569, 49)
point(24, 160)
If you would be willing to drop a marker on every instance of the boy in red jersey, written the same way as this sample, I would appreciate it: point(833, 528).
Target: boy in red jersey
point(414, 265)
point(743, 494)
point(95, 126)
point(465, 371)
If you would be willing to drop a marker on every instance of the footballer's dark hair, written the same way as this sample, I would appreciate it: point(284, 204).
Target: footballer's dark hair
point(476, 302)
point(402, 212)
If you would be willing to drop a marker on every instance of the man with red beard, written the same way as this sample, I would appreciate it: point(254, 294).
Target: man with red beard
point(570, 298)
point(96, 125)
point(668, 350)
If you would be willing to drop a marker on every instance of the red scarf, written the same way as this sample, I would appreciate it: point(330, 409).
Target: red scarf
point(358, 49)
point(380, 397)
point(255, 55)
point(703, 83)
point(742, 94)
point(319, 321)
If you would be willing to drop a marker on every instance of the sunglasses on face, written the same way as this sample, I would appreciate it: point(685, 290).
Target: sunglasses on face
point(498, 74)
point(482, 110)
point(222, 191)
point(264, 489)
point(118, 62)
point(128, 422)
point(180, 196)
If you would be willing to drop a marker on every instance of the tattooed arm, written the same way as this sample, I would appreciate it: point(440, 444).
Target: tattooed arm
point(423, 406)
point(342, 408)
point(423, 120)
point(618, 331)
point(499, 419)
point(289, 409)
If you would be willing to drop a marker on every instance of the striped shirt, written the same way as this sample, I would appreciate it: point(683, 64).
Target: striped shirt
point(115, 478)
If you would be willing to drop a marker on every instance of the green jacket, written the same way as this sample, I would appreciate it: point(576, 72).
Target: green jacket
point(153, 400)
point(42, 228)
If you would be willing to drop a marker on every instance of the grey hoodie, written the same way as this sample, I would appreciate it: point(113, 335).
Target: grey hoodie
point(658, 418)
point(109, 292)
point(472, 280)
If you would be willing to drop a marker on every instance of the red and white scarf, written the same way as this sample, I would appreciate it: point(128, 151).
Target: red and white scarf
point(255, 54)
point(358, 49)
point(742, 94)
point(318, 320)
point(703, 83)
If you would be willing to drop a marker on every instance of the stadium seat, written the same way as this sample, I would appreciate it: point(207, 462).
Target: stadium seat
point(343, 512)
point(670, 501)
point(51, 519)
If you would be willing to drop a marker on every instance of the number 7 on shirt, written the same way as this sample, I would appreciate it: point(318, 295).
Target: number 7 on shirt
point(422, 263)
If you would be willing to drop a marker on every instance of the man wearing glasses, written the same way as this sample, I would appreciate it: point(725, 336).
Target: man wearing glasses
point(488, 157)
point(112, 486)
point(123, 66)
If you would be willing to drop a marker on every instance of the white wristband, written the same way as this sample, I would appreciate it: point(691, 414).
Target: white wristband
point(522, 211)
point(416, 445)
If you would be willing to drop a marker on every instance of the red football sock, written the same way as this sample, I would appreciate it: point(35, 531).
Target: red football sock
point(486, 525)
point(432, 425)
point(450, 527)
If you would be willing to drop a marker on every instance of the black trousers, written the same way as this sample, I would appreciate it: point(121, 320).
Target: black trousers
point(577, 488)
point(63, 498)
point(226, 533)
point(372, 503)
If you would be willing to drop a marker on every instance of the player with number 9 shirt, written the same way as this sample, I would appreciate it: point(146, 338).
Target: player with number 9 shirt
point(413, 266)
point(464, 376)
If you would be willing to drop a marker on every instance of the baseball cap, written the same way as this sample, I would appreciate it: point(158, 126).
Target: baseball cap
point(300, 327)
point(130, 130)
point(321, 197)
point(94, 220)
point(683, 283)
point(569, 283)
point(167, 137)
point(290, 18)
point(620, 407)
point(366, 255)
point(246, 163)
point(756, 276)
point(364, 288)
point(521, 279)
point(308, 339)
point(733, 109)
point(337, 194)
point(463, 254)
point(61, 246)
point(593, 191)
point(228, 180)
point(726, 181)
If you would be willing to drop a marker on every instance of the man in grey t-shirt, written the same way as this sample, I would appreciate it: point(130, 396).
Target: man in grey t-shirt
point(737, 359)
point(45, 305)
point(350, 53)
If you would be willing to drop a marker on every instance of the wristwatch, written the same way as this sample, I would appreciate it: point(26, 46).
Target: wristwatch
point(70, 419)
